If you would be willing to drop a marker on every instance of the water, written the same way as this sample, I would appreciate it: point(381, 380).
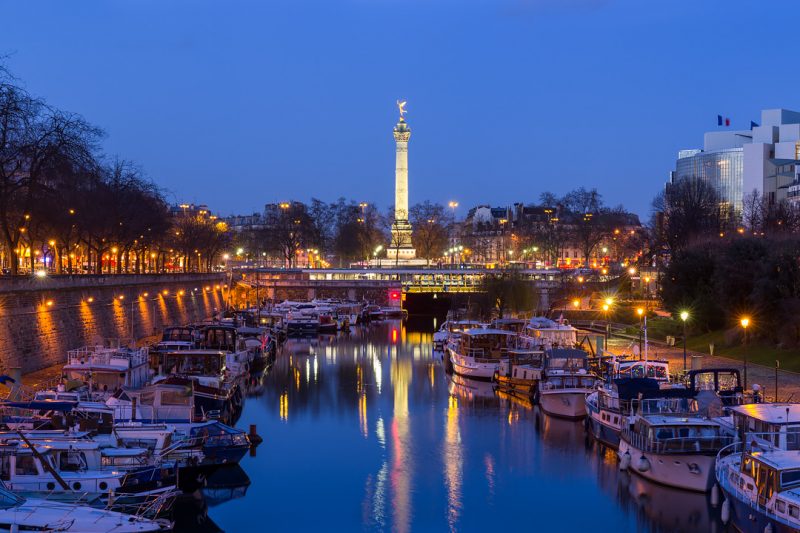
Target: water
point(367, 432)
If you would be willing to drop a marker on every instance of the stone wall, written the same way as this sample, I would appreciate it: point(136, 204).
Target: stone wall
point(40, 319)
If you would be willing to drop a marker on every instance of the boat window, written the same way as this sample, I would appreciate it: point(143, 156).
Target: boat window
point(72, 461)
point(794, 511)
point(790, 478)
point(171, 397)
point(780, 505)
point(26, 466)
point(793, 438)
point(665, 433)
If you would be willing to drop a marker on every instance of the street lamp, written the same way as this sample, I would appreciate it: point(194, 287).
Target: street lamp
point(745, 321)
point(640, 312)
point(684, 317)
point(576, 303)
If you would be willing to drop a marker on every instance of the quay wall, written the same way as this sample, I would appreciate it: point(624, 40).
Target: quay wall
point(40, 319)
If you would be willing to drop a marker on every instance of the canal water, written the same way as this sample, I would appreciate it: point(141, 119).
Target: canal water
point(366, 432)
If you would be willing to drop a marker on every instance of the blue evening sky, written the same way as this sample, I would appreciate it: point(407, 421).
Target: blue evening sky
point(237, 103)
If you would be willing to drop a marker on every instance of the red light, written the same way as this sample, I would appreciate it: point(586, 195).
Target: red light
point(394, 335)
point(394, 295)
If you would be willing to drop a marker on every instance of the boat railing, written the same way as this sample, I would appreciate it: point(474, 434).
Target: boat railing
point(732, 482)
point(569, 381)
point(688, 444)
point(100, 355)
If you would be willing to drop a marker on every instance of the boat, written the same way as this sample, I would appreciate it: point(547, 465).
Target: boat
point(72, 470)
point(761, 487)
point(520, 374)
point(566, 382)
point(675, 450)
point(18, 513)
point(515, 325)
point(477, 353)
point(106, 368)
point(547, 333)
point(630, 381)
point(767, 424)
point(450, 328)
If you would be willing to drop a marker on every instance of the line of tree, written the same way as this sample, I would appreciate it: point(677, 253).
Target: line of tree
point(64, 206)
point(343, 231)
point(723, 264)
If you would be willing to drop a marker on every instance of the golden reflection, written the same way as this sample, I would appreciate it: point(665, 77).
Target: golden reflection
point(432, 373)
point(453, 463)
point(362, 414)
point(359, 378)
point(401, 440)
point(296, 372)
point(283, 406)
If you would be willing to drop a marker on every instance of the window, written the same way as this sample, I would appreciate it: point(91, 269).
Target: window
point(72, 461)
point(790, 478)
point(794, 512)
point(780, 505)
point(26, 466)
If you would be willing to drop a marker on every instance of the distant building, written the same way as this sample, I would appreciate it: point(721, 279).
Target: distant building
point(764, 158)
point(240, 223)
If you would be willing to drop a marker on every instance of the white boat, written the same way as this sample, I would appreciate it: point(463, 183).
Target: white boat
point(619, 397)
point(450, 328)
point(761, 487)
point(476, 353)
point(679, 451)
point(546, 333)
point(108, 368)
point(35, 514)
point(566, 383)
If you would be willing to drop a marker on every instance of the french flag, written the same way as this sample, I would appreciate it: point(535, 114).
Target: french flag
point(723, 121)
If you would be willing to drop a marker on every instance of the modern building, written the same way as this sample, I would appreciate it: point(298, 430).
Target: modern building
point(736, 163)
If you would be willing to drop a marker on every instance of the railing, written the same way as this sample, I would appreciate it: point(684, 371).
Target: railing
point(695, 444)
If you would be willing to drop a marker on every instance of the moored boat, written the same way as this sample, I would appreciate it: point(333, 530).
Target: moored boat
point(679, 451)
point(566, 382)
point(477, 353)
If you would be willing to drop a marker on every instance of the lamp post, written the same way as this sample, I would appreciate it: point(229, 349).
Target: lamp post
point(606, 308)
point(684, 317)
point(745, 321)
point(640, 312)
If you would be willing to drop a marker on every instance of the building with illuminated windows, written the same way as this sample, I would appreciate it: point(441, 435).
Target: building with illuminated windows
point(763, 159)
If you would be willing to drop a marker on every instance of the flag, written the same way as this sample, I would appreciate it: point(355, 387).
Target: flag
point(727, 122)
point(723, 121)
point(719, 120)
point(753, 125)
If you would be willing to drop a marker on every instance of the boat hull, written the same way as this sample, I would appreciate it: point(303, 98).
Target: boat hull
point(468, 367)
point(685, 471)
point(748, 519)
point(564, 403)
point(604, 433)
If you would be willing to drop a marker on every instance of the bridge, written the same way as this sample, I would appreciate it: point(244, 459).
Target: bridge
point(375, 284)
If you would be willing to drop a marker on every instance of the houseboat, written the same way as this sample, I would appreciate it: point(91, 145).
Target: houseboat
point(477, 353)
point(108, 368)
point(679, 451)
point(548, 334)
point(761, 488)
point(566, 382)
point(520, 374)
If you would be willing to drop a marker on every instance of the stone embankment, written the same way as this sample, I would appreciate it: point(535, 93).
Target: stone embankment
point(42, 318)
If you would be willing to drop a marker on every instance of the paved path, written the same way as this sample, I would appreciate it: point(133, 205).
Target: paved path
point(788, 382)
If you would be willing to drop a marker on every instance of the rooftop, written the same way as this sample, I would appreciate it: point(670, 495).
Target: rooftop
point(773, 413)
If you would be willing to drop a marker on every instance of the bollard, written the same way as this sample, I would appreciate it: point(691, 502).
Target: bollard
point(255, 438)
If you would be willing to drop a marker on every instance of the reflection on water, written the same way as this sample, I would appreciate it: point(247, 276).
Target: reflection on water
point(365, 431)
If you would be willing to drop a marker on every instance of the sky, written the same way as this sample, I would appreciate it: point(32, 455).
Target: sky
point(239, 103)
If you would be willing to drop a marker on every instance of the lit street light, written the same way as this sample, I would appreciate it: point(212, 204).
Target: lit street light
point(745, 321)
point(684, 317)
point(640, 312)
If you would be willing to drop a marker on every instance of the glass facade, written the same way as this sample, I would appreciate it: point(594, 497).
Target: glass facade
point(722, 169)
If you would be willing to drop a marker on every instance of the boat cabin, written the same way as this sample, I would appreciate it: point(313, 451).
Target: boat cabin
point(193, 363)
point(655, 370)
point(515, 325)
point(771, 479)
point(769, 424)
point(179, 334)
point(106, 369)
point(676, 434)
point(485, 343)
point(161, 403)
point(218, 337)
point(550, 333)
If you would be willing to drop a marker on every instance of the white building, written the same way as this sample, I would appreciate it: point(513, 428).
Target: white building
point(736, 163)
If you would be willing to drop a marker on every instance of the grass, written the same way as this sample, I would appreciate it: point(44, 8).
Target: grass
point(757, 352)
